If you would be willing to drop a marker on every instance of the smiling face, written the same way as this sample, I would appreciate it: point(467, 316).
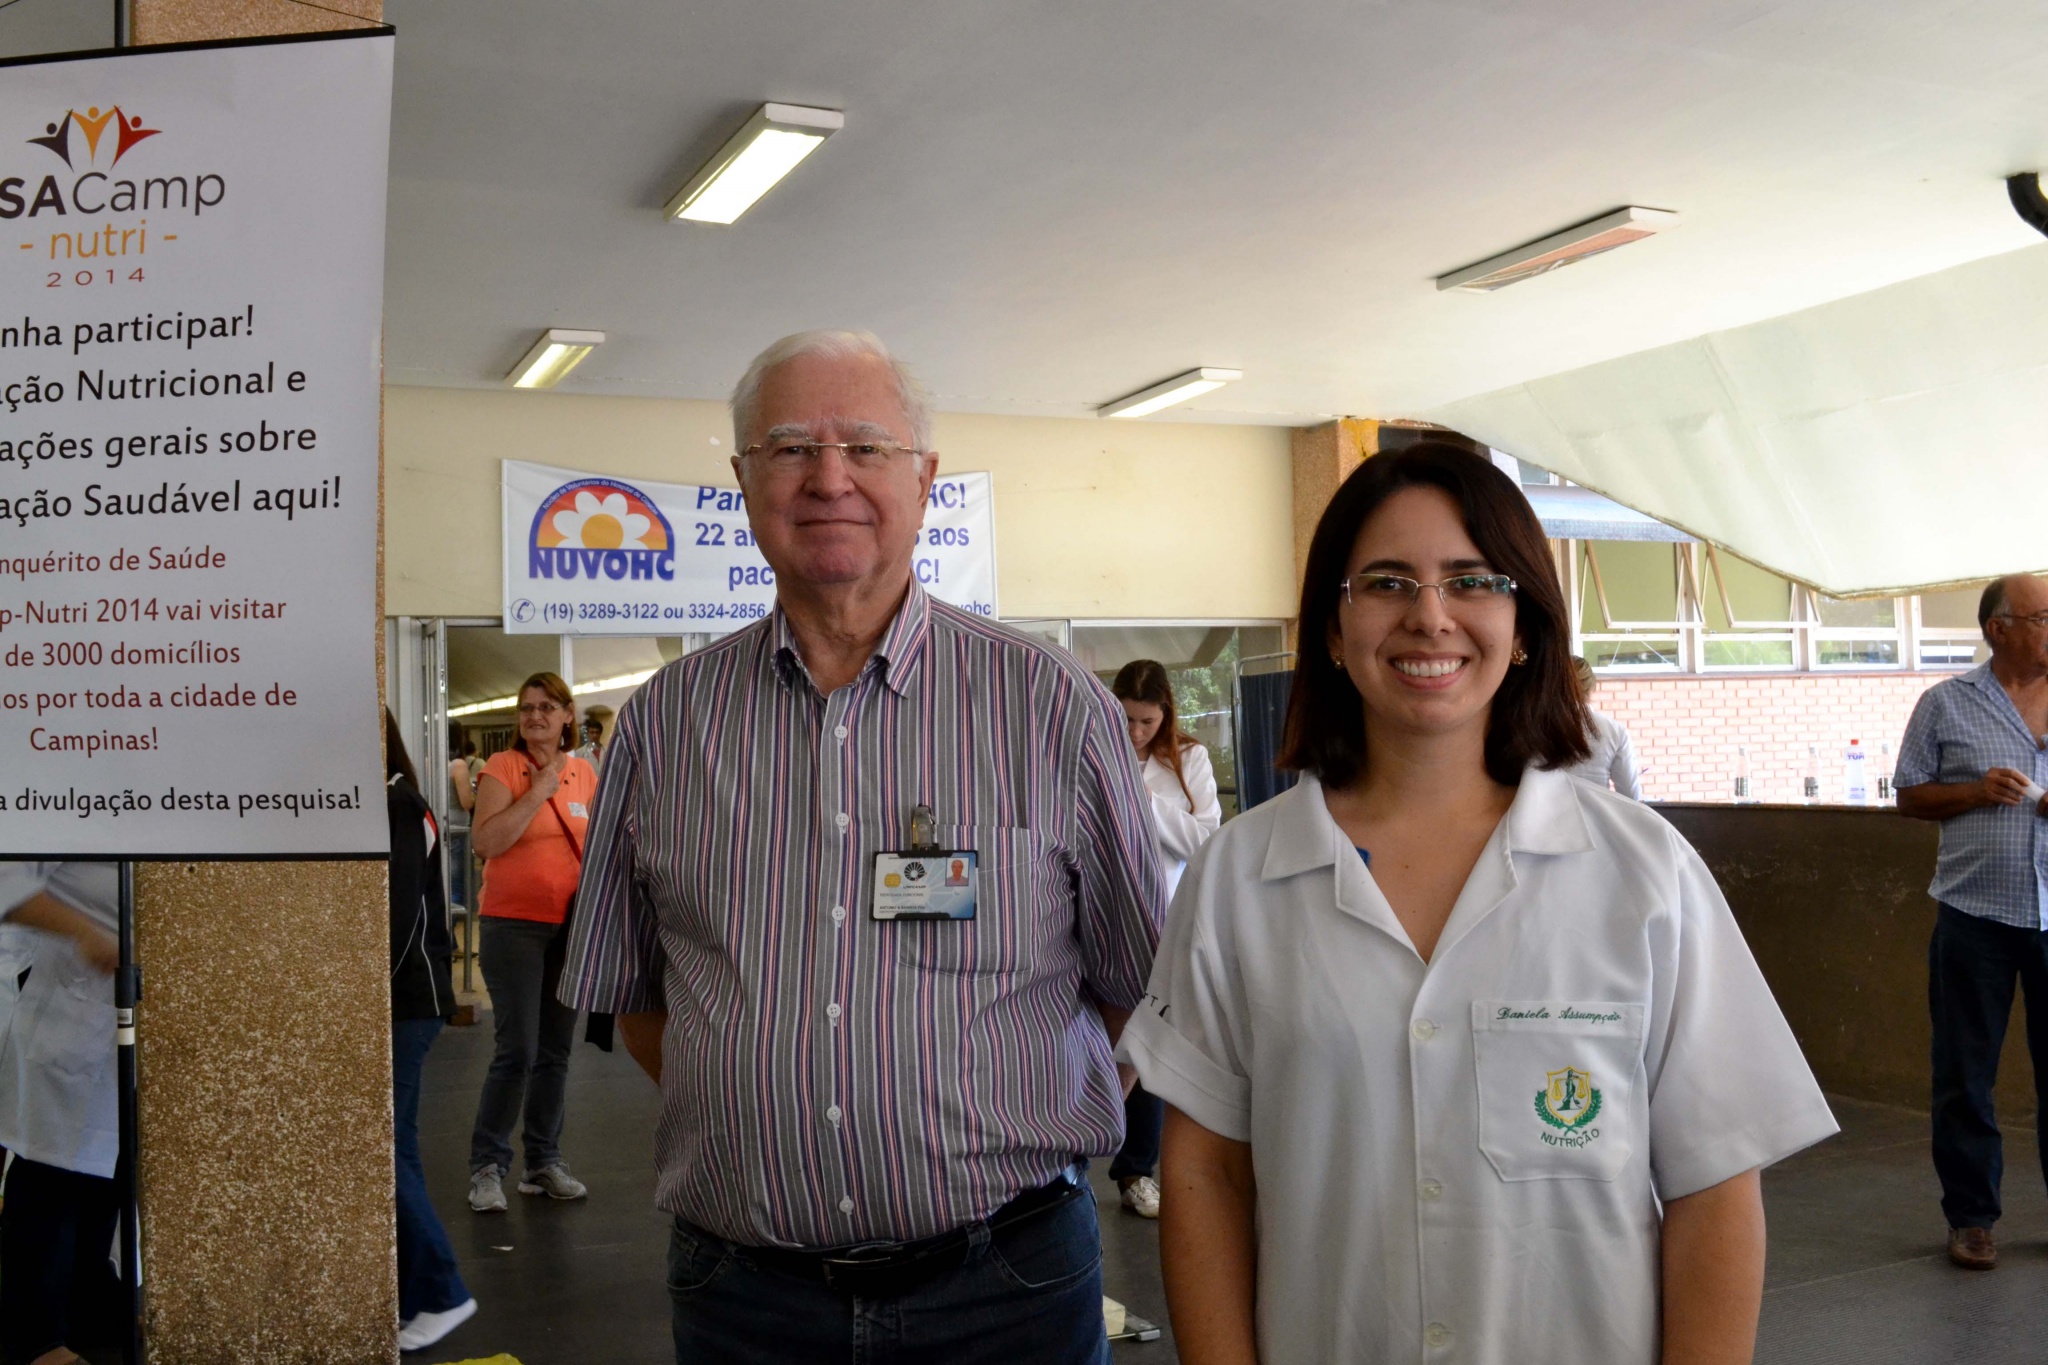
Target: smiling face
point(1425, 666)
point(540, 721)
point(1142, 719)
point(827, 522)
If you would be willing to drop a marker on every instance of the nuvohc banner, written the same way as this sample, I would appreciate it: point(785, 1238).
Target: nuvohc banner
point(588, 554)
point(192, 244)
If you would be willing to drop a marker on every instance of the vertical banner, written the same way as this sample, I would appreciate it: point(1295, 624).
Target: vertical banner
point(192, 243)
point(591, 555)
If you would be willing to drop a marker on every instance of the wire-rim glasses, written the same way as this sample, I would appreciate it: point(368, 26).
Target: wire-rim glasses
point(785, 457)
point(1395, 591)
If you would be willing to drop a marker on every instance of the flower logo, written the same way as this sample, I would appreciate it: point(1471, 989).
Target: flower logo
point(604, 523)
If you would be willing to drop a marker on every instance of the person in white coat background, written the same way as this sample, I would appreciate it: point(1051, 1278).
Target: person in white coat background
point(1185, 812)
point(58, 1109)
point(1465, 1060)
point(1613, 759)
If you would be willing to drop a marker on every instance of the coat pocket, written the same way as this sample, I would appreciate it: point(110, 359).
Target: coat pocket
point(1557, 1083)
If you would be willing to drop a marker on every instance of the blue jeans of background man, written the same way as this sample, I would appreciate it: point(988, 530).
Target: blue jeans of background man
point(522, 962)
point(1144, 1120)
point(1972, 966)
point(1031, 1292)
point(428, 1281)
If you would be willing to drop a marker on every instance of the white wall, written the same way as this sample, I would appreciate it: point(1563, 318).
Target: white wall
point(1093, 518)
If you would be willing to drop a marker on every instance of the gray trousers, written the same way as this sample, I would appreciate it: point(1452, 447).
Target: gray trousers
point(522, 962)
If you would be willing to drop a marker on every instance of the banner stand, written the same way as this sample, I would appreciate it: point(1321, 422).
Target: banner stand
point(127, 993)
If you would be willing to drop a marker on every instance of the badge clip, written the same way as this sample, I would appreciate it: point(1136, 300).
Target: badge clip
point(924, 832)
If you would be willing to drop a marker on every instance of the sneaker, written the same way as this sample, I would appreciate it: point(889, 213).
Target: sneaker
point(553, 1181)
point(424, 1329)
point(487, 1190)
point(1141, 1196)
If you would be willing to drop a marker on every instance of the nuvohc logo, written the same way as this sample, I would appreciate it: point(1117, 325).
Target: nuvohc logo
point(600, 528)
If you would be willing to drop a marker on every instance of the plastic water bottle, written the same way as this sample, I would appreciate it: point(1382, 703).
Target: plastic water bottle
point(1812, 785)
point(1884, 772)
point(1855, 785)
point(1742, 788)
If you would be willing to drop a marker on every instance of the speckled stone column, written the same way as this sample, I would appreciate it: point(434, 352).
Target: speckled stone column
point(265, 1044)
point(1324, 457)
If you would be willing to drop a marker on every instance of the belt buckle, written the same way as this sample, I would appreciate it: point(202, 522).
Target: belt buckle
point(854, 1260)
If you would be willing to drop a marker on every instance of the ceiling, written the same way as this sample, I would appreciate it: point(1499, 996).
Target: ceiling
point(1046, 205)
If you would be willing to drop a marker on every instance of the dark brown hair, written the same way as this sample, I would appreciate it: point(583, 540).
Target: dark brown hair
point(1145, 680)
point(557, 692)
point(397, 763)
point(1538, 715)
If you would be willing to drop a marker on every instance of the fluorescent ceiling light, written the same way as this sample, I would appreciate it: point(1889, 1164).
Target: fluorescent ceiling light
point(768, 147)
point(550, 359)
point(1574, 244)
point(478, 708)
point(1166, 393)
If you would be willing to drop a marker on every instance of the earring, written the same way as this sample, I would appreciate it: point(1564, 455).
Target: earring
point(1520, 656)
point(1337, 659)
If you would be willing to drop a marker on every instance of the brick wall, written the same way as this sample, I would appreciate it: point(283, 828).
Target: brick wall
point(1686, 729)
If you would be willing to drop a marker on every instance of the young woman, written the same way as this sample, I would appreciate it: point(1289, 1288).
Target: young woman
point(1467, 1060)
point(1185, 811)
point(432, 1300)
point(532, 808)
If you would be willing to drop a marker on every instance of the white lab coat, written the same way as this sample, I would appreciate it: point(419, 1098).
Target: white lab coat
point(1613, 759)
point(58, 1103)
point(1462, 1159)
point(1183, 824)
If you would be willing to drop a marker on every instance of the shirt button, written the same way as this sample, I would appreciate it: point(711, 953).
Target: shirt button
point(1423, 1030)
point(833, 1113)
point(1431, 1191)
point(846, 1204)
point(843, 819)
point(840, 732)
point(839, 914)
point(1436, 1334)
point(831, 1011)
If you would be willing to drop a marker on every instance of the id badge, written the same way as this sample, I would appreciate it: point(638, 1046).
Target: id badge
point(919, 885)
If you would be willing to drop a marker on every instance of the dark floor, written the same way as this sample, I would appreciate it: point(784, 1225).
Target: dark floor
point(1856, 1267)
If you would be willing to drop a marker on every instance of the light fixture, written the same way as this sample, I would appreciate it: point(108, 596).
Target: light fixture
point(550, 359)
point(1546, 254)
point(478, 708)
point(1167, 392)
point(765, 149)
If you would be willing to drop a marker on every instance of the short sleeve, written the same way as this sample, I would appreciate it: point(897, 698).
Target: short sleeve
point(614, 963)
point(1920, 748)
point(1730, 1090)
point(509, 767)
point(1189, 1036)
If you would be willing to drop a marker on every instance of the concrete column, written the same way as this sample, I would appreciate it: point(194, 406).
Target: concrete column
point(1324, 457)
point(265, 1056)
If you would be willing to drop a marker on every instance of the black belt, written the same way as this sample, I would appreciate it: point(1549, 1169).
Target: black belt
point(880, 1270)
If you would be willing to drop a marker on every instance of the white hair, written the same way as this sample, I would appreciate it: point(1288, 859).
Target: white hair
point(833, 345)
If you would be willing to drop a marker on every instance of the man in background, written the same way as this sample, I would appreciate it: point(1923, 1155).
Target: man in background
point(1973, 759)
point(872, 1127)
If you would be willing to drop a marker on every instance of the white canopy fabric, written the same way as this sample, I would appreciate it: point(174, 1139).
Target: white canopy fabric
point(1889, 442)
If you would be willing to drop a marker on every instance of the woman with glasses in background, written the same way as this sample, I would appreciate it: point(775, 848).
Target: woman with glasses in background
point(1185, 811)
point(532, 807)
point(1465, 1059)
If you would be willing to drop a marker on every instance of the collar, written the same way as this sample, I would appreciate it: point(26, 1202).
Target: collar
point(896, 656)
point(1985, 681)
point(1544, 819)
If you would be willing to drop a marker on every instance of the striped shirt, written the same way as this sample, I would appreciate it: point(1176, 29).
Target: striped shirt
point(827, 1078)
point(1994, 860)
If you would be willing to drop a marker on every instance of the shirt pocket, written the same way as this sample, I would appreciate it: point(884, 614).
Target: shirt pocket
point(1557, 1082)
point(1016, 873)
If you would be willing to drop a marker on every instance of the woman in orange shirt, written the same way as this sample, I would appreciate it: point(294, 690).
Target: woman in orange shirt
point(533, 805)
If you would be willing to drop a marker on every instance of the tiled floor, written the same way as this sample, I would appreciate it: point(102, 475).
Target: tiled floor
point(1856, 1269)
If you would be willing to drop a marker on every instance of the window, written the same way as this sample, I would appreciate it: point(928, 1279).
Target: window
point(1860, 632)
point(1949, 636)
point(1629, 603)
point(1748, 615)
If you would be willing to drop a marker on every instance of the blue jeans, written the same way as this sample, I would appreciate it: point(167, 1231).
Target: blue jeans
point(1144, 1121)
point(1030, 1291)
point(428, 1281)
point(1973, 965)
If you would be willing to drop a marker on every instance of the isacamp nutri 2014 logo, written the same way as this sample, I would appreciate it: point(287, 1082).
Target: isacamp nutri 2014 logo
point(92, 144)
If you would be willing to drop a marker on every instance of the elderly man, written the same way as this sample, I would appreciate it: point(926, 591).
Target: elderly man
point(1973, 758)
point(872, 887)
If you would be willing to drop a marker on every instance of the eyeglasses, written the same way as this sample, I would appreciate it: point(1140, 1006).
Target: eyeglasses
point(2039, 618)
point(1392, 591)
point(787, 457)
point(545, 708)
